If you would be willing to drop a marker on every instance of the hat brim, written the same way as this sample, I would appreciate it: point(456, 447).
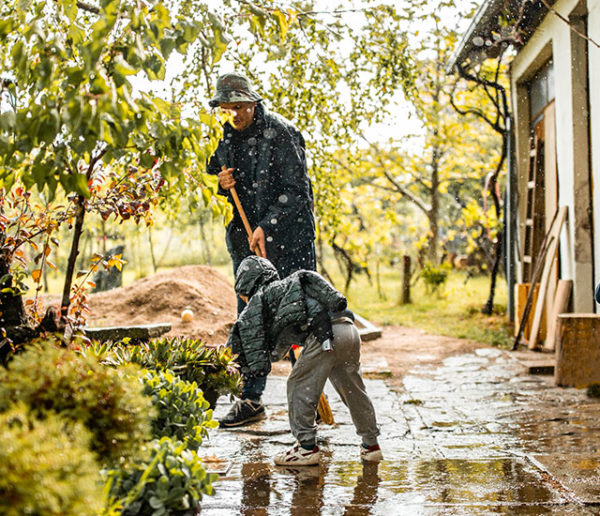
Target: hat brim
point(229, 96)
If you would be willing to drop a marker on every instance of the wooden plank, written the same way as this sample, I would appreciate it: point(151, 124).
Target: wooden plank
point(538, 367)
point(537, 270)
point(560, 305)
point(548, 263)
point(366, 329)
point(521, 296)
point(142, 332)
point(550, 204)
point(521, 291)
point(577, 350)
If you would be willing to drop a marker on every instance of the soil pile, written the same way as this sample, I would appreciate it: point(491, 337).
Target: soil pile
point(162, 297)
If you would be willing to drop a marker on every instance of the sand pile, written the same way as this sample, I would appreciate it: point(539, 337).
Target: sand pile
point(162, 297)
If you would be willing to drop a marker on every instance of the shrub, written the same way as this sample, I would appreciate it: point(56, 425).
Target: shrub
point(435, 276)
point(108, 401)
point(46, 466)
point(212, 368)
point(173, 482)
point(182, 410)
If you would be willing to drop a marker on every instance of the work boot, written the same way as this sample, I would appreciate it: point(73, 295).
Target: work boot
point(243, 413)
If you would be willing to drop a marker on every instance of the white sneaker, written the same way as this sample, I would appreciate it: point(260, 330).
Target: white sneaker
point(372, 453)
point(298, 456)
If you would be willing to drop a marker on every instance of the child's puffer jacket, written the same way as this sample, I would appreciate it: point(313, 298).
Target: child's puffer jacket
point(276, 308)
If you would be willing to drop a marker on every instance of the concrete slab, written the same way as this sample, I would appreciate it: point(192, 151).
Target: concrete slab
point(579, 473)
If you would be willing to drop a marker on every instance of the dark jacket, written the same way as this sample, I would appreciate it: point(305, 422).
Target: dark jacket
point(271, 181)
point(279, 313)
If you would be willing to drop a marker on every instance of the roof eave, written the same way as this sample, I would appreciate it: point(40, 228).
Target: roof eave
point(487, 12)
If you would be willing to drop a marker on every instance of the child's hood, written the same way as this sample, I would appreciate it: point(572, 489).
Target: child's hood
point(253, 273)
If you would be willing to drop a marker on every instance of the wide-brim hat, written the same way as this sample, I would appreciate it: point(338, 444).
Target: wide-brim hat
point(233, 87)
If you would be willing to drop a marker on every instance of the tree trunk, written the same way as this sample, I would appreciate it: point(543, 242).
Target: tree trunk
point(151, 249)
point(77, 230)
point(13, 319)
point(11, 305)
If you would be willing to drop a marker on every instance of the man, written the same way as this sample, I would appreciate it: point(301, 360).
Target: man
point(262, 155)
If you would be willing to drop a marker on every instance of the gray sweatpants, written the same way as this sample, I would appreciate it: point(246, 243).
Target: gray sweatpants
point(342, 367)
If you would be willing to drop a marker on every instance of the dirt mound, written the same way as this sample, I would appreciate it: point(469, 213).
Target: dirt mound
point(163, 296)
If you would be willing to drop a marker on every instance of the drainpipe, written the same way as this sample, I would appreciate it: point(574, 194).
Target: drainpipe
point(510, 222)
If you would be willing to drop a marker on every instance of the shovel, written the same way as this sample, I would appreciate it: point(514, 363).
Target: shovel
point(323, 408)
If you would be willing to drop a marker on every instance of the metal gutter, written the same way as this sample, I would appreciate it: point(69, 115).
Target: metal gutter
point(486, 13)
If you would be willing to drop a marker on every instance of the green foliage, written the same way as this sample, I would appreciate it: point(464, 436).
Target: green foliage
point(211, 368)
point(183, 412)
point(435, 276)
point(46, 466)
point(68, 71)
point(171, 483)
point(108, 401)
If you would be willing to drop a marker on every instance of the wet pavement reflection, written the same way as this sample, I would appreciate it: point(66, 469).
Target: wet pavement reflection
point(476, 435)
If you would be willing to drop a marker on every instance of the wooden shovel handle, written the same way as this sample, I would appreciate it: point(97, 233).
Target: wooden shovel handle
point(242, 213)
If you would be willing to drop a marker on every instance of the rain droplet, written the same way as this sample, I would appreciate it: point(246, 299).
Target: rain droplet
point(269, 239)
point(273, 220)
point(252, 141)
point(254, 185)
point(283, 198)
point(478, 41)
point(270, 133)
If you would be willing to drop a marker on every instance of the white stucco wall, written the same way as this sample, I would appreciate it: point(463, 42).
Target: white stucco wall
point(555, 37)
point(594, 68)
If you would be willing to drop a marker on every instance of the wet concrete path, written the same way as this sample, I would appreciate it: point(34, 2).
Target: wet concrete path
point(476, 435)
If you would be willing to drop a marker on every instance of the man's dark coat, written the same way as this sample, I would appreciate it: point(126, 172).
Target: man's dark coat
point(272, 183)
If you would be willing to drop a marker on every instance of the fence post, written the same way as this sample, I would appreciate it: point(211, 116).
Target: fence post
point(405, 280)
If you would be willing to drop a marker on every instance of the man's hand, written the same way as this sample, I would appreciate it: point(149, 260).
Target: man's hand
point(257, 242)
point(226, 180)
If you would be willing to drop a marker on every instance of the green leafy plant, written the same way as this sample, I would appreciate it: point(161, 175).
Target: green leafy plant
point(213, 369)
point(173, 482)
point(435, 276)
point(183, 413)
point(108, 401)
point(46, 466)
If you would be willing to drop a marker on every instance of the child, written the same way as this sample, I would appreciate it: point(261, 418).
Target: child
point(302, 308)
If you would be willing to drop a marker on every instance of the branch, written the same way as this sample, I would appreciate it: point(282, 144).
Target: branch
point(88, 7)
point(399, 188)
point(568, 22)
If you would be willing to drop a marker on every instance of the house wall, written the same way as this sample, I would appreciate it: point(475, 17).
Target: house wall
point(594, 69)
point(554, 38)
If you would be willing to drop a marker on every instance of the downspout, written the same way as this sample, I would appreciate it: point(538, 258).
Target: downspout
point(510, 221)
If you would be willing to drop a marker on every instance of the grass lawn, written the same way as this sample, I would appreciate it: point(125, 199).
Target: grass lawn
point(454, 311)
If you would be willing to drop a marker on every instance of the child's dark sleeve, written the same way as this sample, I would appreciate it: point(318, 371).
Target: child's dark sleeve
point(253, 341)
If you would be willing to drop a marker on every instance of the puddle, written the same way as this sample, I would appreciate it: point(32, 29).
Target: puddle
point(353, 488)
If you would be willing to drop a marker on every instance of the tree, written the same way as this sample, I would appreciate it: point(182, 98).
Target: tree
point(73, 121)
point(442, 176)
